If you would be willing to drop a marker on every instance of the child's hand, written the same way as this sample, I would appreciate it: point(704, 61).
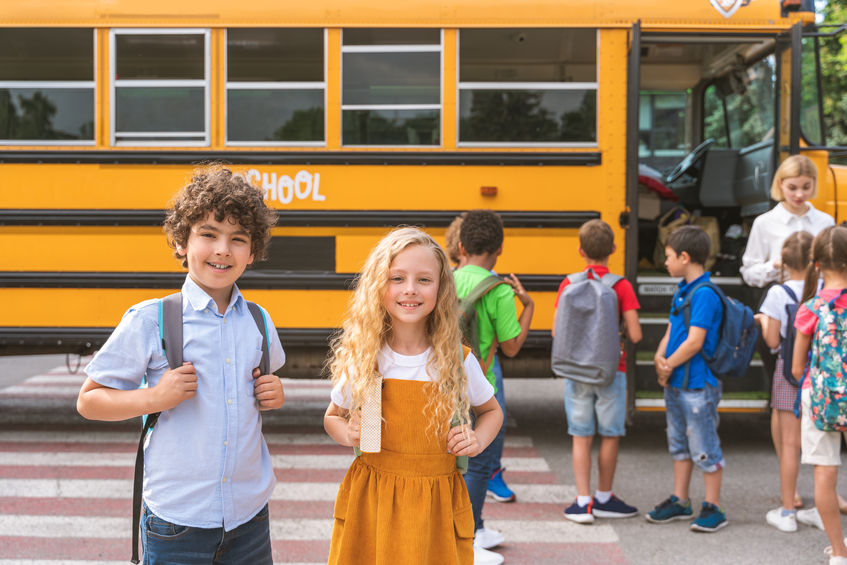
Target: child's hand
point(175, 386)
point(461, 440)
point(268, 391)
point(760, 319)
point(663, 370)
point(520, 291)
point(354, 428)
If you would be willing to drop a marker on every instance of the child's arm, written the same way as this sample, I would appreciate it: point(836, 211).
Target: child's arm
point(802, 343)
point(98, 402)
point(464, 440)
point(632, 326)
point(770, 329)
point(662, 371)
point(511, 347)
point(688, 348)
point(268, 391)
point(342, 426)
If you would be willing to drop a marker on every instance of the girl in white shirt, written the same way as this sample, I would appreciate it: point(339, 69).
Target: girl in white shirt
point(794, 183)
point(400, 377)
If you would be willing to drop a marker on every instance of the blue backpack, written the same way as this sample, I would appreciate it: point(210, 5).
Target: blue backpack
point(736, 338)
point(786, 348)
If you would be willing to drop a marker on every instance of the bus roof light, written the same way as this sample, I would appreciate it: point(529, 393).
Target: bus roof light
point(488, 190)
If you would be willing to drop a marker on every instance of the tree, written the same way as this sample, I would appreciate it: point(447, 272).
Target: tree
point(834, 75)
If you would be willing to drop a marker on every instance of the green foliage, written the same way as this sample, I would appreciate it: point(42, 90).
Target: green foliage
point(834, 75)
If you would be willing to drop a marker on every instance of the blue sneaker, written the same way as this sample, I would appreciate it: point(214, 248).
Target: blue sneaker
point(670, 509)
point(614, 508)
point(580, 514)
point(497, 488)
point(711, 519)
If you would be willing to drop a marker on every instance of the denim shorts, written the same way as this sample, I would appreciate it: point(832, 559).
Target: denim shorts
point(592, 408)
point(692, 418)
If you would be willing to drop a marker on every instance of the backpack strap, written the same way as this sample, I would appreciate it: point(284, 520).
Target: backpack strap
point(482, 288)
point(685, 308)
point(170, 338)
point(789, 292)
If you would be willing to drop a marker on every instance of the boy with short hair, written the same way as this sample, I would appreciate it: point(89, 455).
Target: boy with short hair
point(481, 242)
point(692, 392)
point(586, 404)
point(208, 475)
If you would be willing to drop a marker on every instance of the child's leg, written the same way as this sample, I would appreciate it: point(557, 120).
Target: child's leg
point(581, 454)
point(607, 461)
point(826, 501)
point(682, 477)
point(713, 486)
point(789, 456)
point(611, 425)
point(701, 411)
point(776, 433)
point(500, 395)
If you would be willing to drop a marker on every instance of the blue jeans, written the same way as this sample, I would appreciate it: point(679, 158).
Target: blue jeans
point(692, 418)
point(591, 408)
point(483, 465)
point(164, 542)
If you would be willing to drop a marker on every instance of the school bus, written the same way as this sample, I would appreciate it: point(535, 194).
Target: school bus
point(358, 116)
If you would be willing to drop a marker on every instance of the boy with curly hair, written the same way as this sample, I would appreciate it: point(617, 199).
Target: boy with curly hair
point(207, 471)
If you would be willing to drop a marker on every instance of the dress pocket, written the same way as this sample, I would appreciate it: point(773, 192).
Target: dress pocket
point(341, 502)
point(463, 522)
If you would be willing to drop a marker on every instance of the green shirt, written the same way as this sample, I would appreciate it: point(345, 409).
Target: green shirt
point(495, 311)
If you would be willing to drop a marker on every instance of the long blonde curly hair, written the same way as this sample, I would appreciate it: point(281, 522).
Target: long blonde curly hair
point(367, 328)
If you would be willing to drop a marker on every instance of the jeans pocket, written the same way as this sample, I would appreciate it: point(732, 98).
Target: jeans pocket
point(162, 529)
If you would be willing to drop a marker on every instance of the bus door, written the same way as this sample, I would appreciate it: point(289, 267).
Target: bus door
point(704, 139)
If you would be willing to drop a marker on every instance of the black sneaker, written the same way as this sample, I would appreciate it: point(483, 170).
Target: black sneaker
point(580, 514)
point(614, 508)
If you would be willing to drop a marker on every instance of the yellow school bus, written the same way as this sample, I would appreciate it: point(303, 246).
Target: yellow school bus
point(358, 116)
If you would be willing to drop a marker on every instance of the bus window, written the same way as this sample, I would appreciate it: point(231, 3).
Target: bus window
point(275, 86)
point(391, 87)
point(46, 86)
point(160, 86)
point(810, 111)
point(527, 86)
point(661, 126)
point(748, 98)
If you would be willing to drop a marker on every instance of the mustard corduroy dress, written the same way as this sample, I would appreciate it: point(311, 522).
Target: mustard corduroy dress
point(407, 504)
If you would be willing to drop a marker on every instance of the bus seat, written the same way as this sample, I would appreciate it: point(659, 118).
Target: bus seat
point(717, 182)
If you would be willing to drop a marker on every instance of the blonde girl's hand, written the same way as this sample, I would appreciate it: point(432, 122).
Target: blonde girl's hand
point(461, 440)
point(354, 428)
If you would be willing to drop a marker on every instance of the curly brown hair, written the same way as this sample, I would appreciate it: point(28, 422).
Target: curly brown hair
point(215, 189)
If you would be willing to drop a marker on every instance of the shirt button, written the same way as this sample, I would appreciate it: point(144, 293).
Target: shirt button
point(227, 359)
point(226, 443)
point(224, 479)
point(229, 401)
point(224, 320)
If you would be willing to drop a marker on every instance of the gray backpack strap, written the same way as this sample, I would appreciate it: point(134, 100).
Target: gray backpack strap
point(170, 328)
point(262, 324)
point(610, 279)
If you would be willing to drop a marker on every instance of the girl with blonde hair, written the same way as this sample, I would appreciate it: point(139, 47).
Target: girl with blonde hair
point(401, 380)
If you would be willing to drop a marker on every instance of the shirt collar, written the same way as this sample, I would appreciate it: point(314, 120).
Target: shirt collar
point(684, 287)
point(784, 216)
point(200, 300)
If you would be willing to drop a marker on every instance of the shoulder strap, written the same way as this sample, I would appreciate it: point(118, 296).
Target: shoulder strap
point(262, 324)
point(685, 307)
point(789, 292)
point(482, 288)
point(610, 279)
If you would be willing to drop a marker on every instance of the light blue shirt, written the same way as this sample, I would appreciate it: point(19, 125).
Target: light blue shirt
point(206, 463)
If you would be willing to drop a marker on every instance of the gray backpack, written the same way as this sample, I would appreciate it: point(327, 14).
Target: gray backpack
point(586, 347)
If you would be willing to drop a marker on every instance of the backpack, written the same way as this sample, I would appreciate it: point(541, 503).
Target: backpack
point(827, 365)
point(469, 323)
point(736, 338)
point(587, 345)
point(170, 336)
point(786, 348)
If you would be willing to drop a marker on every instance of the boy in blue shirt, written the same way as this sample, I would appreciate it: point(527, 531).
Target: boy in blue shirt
point(692, 392)
point(207, 470)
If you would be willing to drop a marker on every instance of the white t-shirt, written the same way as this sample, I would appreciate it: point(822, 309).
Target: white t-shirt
point(767, 235)
point(392, 365)
point(775, 301)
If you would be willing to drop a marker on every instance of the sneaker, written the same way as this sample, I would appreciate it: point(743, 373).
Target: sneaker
point(613, 508)
point(670, 509)
point(497, 488)
point(487, 538)
point(828, 549)
point(711, 519)
point(780, 521)
point(484, 557)
point(580, 514)
point(838, 561)
point(810, 517)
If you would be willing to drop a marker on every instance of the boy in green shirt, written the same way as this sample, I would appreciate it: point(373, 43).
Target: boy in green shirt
point(481, 242)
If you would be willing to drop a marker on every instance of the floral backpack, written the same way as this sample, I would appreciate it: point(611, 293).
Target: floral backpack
point(828, 365)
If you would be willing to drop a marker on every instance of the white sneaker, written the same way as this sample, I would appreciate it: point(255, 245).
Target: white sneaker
point(828, 549)
point(487, 538)
point(810, 517)
point(838, 561)
point(783, 523)
point(484, 557)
